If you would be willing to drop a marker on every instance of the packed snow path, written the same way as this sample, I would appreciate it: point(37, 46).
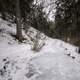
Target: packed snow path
point(51, 63)
point(54, 64)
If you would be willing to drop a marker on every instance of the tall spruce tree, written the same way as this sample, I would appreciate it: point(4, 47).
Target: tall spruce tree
point(17, 8)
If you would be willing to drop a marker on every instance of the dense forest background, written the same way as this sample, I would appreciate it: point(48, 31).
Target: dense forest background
point(25, 13)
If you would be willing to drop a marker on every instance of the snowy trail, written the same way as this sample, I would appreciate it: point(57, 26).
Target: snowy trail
point(14, 50)
point(51, 63)
point(55, 65)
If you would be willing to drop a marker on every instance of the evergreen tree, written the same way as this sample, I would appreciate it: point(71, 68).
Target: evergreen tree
point(67, 18)
point(17, 8)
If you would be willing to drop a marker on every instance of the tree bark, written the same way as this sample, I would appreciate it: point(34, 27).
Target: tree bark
point(18, 21)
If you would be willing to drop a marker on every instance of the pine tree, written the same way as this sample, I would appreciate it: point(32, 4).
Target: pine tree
point(67, 19)
point(17, 8)
point(18, 21)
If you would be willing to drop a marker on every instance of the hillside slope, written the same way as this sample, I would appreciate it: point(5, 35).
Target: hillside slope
point(56, 60)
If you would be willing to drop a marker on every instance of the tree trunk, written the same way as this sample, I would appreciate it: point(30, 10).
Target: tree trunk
point(18, 21)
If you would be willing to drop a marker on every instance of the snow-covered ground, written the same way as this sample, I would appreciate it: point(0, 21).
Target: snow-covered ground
point(56, 60)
